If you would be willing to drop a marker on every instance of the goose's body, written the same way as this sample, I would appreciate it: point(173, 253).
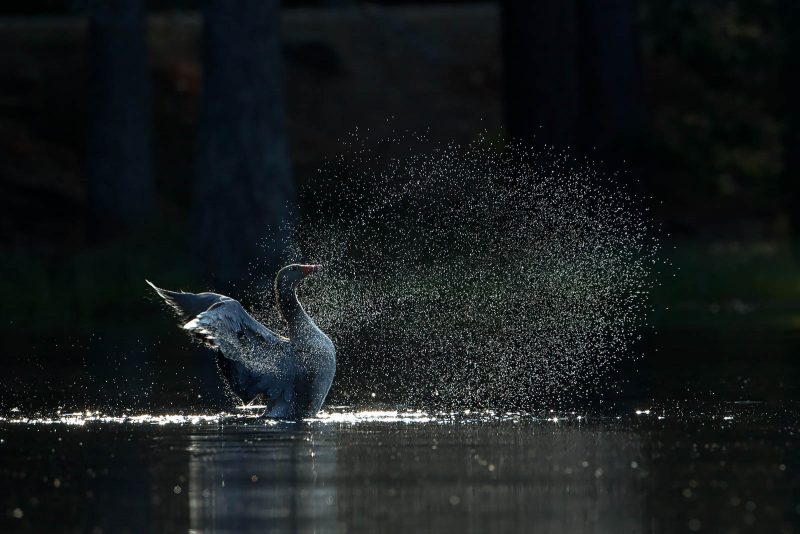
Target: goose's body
point(293, 375)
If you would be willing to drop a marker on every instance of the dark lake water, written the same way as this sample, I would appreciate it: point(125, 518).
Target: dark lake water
point(713, 447)
point(727, 467)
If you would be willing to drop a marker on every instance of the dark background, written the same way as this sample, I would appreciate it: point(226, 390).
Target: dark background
point(163, 141)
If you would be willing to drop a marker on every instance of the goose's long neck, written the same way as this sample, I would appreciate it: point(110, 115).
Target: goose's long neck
point(291, 309)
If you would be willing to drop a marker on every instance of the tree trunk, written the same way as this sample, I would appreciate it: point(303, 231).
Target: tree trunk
point(244, 192)
point(540, 48)
point(573, 75)
point(120, 181)
point(612, 98)
point(790, 11)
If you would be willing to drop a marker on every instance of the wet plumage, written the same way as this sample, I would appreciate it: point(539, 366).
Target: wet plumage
point(292, 374)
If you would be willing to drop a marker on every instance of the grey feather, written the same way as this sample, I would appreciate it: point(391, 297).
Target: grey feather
point(187, 305)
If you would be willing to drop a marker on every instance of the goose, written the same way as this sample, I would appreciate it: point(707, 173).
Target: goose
point(292, 375)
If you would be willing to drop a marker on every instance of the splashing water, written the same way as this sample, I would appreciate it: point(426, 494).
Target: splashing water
point(474, 275)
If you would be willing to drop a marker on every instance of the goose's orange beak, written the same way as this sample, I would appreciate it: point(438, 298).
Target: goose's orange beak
point(310, 269)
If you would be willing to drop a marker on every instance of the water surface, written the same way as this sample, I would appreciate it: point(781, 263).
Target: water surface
point(723, 468)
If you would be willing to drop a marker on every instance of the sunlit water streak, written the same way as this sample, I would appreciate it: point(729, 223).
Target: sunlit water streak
point(335, 416)
point(346, 415)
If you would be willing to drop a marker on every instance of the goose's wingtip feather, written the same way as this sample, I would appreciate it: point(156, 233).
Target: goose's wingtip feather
point(151, 284)
point(157, 290)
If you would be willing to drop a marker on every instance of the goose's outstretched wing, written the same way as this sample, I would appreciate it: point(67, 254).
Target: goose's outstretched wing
point(258, 360)
point(220, 322)
point(252, 358)
point(227, 326)
point(188, 305)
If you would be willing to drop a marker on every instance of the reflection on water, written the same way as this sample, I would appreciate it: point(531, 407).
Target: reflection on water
point(729, 469)
point(468, 478)
point(265, 482)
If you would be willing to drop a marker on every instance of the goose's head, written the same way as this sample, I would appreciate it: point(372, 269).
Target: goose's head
point(290, 276)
